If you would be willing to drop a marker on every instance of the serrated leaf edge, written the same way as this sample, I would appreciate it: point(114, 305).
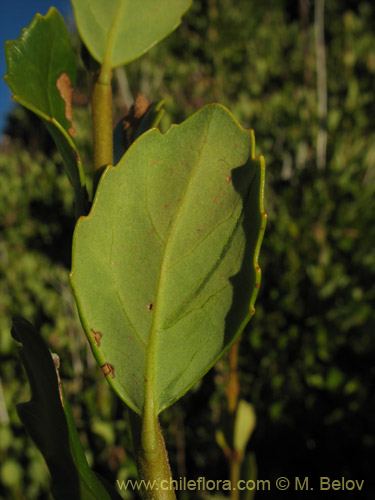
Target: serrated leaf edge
point(38, 112)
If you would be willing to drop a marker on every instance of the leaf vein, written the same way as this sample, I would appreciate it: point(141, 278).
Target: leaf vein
point(200, 241)
point(141, 341)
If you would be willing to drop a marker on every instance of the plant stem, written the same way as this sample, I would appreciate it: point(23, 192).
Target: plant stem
point(233, 387)
point(232, 392)
point(153, 465)
point(101, 104)
point(235, 468)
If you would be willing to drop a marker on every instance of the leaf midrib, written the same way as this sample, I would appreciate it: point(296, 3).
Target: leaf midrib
point(174, 224)
point(155, 324)
point(111, 38)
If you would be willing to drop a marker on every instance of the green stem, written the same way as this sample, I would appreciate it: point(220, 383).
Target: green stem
point(235, 468)
point(232, 392)
point(152, 462)
point(101, 103)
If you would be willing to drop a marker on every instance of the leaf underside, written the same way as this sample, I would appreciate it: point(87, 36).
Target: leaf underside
point(41, 71)
point(126, 28)
point(165, 269)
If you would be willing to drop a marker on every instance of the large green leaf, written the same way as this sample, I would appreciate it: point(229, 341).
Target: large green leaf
point(41, 70)
point(165, 269)
point(119, 31)
point(50, 423)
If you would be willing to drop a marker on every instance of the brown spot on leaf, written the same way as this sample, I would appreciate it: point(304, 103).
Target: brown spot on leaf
point(108, 369)
point(97, 336)
point(257, 285)
point(150, 306)
point(229, 178)
point(65, 89)
point(252, 310)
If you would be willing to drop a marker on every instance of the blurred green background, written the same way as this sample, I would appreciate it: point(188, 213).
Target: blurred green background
point(307, 357)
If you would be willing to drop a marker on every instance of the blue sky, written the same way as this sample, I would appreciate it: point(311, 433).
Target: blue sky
point(15, 15)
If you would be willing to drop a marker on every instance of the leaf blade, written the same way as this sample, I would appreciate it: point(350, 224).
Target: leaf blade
point(50, 424)
point(169, 222)
point(41, 70)
point(121, 31)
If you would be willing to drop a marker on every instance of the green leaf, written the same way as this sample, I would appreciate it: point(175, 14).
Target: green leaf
point(51, 425)
point(244, 425)
point(41, 70)
point(43, 416)
point(92, 485)
point(165, 267)
point(119, 31)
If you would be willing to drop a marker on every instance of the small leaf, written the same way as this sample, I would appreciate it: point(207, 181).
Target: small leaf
point(165, 269)
point(119, 31)
point(221, 441)
point(41, 70)
point(51, 425)
point(244, 425)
